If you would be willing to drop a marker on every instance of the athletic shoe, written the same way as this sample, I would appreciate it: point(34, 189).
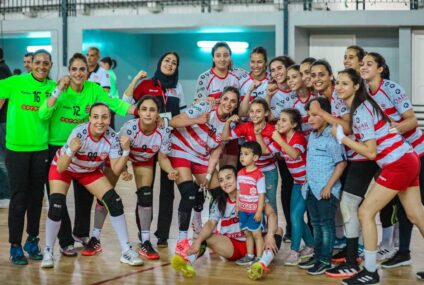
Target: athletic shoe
point(340, 257)
point(48, 259)
point(162, 243)
point(399, 259)
point(306, 252)
point(17, 255)
point(131, 257)
point(292, 259)
point(180, 264)
point(69, 251)
point(385, 253)
point(420, 275)
point(94, 246)
point(182, 247)
point(256, 270)
point(245, 260)
point(339, 243)
point(319, 268)
point(343, 270)
point(31, 247)
point(147, 250)
point(82, 240)
point(363, 278)
point(287, 238)
point(308, 263)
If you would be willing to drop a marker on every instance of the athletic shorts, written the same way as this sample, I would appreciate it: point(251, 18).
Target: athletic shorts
point(247, 222)
point(239, 249)
point(148, 163)
point(401, 174)
point(359, 175)
point(67, 176)
point(182, 162)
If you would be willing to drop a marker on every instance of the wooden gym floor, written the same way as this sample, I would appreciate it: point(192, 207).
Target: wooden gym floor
point(105, 268)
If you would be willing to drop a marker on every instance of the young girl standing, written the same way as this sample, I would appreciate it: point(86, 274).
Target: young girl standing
point(289, 141)
point(399, 163)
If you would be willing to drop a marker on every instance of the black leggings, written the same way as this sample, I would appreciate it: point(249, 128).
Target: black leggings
point(27, 175)
point(286, 189)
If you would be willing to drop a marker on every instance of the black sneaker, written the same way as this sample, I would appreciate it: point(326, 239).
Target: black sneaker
point(340, 256)
point(308, 263)
point(343, 270)
point(399, 259)
point(363, 278)
point(162, 243)
point(319, 268)
point(147, 250)
point(420, 275)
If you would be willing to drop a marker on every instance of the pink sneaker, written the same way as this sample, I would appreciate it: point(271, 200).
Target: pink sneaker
point(182, 247)
point(292, 258)
point(306, 252)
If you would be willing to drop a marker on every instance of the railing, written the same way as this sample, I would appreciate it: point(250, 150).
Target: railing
point(28, 6)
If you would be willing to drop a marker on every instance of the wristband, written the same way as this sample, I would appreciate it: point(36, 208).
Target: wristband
point(393, 131)
point(69, 152)
point(208, 177)
point(56, 93)
point(125, 152)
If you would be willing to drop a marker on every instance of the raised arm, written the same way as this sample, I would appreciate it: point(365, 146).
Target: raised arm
point(128, 94)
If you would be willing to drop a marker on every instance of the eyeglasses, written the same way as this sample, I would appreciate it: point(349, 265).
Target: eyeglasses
point(81, 69)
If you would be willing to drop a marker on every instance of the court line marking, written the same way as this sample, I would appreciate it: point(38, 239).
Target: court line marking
point(129, 274)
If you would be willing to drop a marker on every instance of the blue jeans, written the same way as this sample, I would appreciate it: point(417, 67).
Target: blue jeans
point(271, 181)
point(322, 214)
point(297, 212)
point(4, 179)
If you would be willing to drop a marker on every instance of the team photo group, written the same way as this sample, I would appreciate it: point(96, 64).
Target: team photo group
point(339, 147)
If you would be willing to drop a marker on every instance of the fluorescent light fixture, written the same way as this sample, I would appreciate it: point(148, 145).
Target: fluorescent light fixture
point(236, 47)
point(35, 48)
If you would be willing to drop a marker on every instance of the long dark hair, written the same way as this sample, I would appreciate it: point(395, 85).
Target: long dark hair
point(295, 117)
point(165, 80)
point(361, 95)
point(221, 197)
point(112, 63)
point(381, 62)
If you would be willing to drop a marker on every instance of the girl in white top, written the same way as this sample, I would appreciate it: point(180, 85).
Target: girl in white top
point(400, 165)
point(88, 146)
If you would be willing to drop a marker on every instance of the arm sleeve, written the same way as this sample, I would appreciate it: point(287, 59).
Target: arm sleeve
point(201, 88)
point(6, 87)
point(363, 124)
point(336, 150)
point(238, 131)
point(214, 213)
point(115, 148)
point(399, 98)
point(117, 105)
point(165, 146)
point(181, 96)
point(45, 112)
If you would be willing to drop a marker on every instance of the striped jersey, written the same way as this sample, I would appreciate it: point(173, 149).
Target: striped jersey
point(391, 97)
point(249, 185)
point(300, 106)
point(209, 84)
point(196, 142)
point(145, 146)
point(297, 166)
point(246, 81)
point(281, 100)
point(247, 131)
point(368, 125)
point(93, 152)
point(228, 222)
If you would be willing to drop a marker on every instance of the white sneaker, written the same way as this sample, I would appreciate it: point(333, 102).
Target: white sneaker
point(48, 259)
point(131, 257)
point(385, 253)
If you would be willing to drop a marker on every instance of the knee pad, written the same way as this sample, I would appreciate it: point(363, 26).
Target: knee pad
point(113, 203)
point(145, 196)
point(349, 207)
point(57, 206)
point(188, 196)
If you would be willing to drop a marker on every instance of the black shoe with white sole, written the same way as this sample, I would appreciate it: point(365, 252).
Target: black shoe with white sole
point(363, 278)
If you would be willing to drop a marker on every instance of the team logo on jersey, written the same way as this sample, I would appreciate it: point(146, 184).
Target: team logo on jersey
point(387, 83)
point(202, 77)
point(252, 191)
point(104, 155)
point(397, 91)
point(84, 131)
point(392, 86)
point(107, 132)
point(79, 135)
point(155, 148)
point(200, 82)
point(113, 135)
point(406, 105)
point(134, 127)
point(129, 132)
point(344, 109)
point(357, 119)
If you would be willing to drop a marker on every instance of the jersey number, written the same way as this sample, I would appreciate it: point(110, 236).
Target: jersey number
point(37, 96)
point(76, 110)
point(92, 155)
